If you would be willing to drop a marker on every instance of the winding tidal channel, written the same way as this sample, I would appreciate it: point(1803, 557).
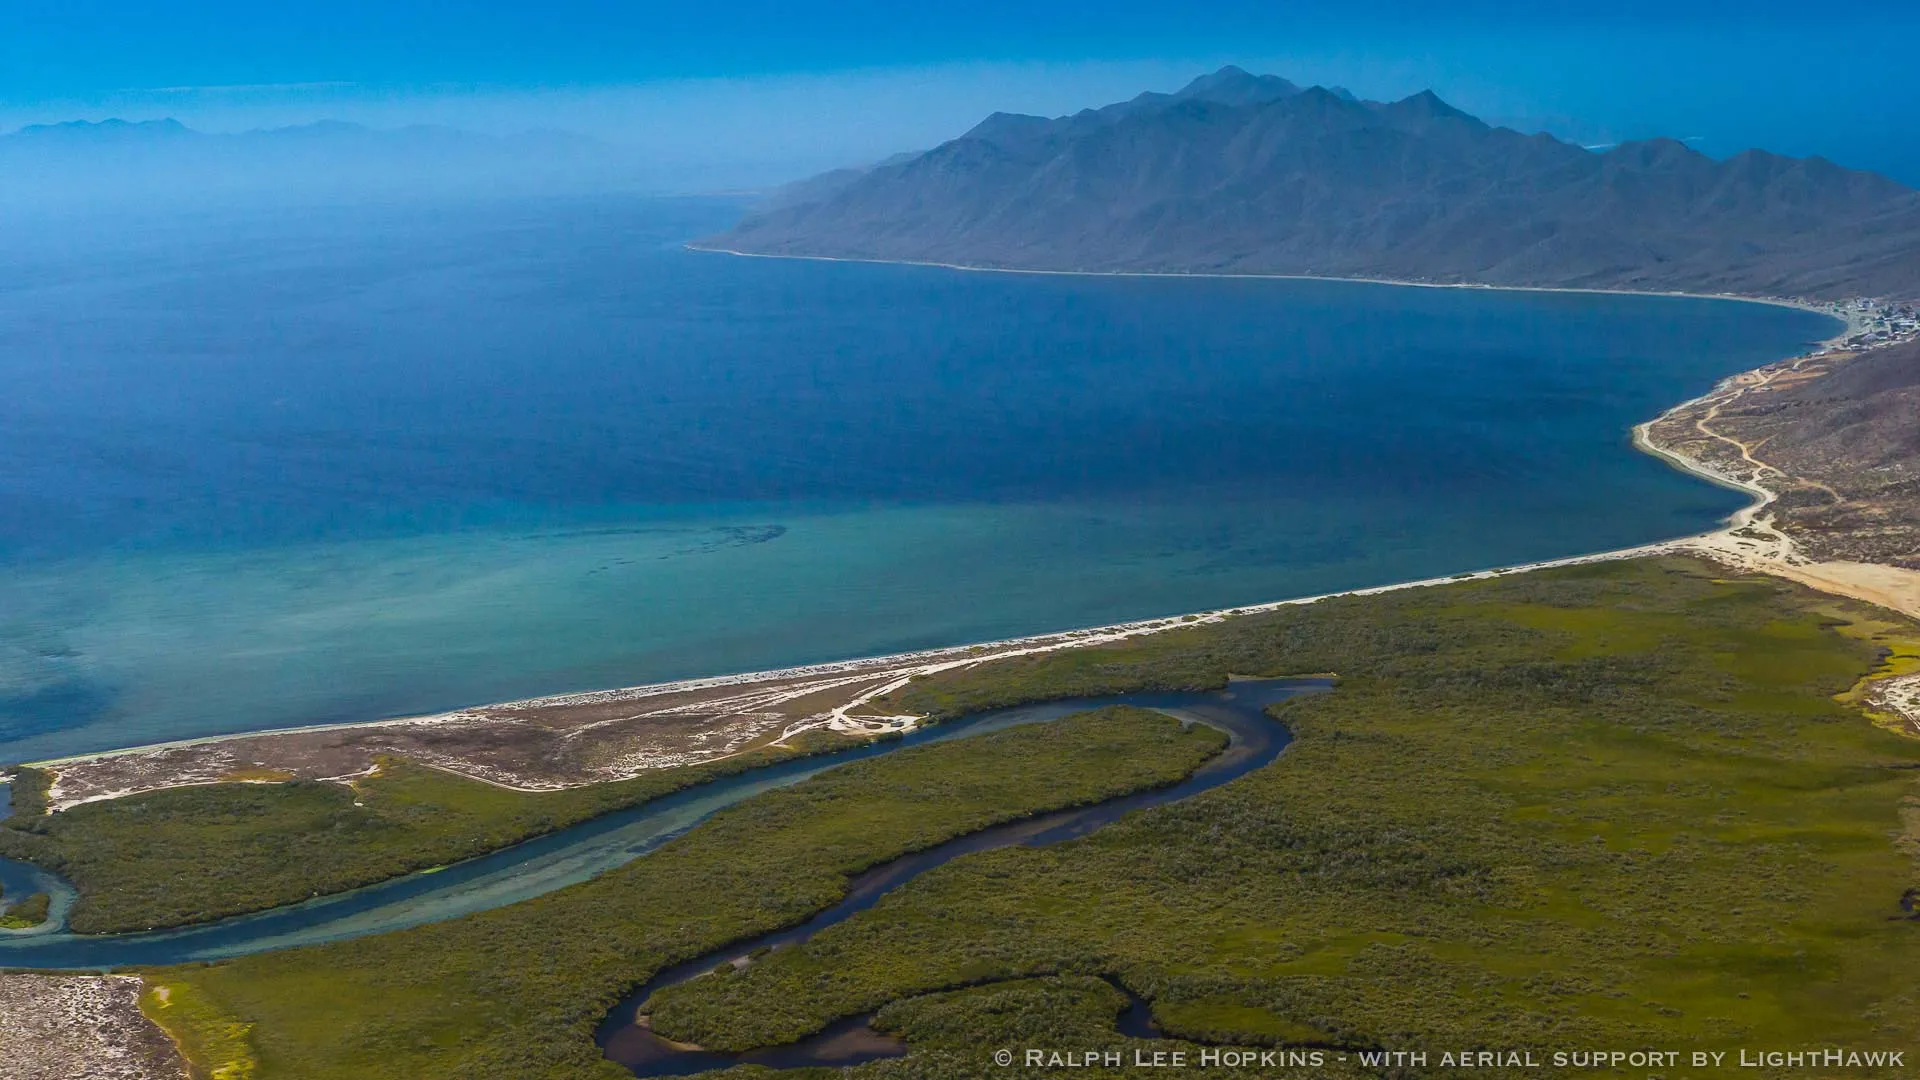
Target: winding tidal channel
point(582, 851)
point(1256, 740)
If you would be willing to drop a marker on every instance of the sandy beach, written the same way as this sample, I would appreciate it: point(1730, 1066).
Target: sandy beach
point(1775, 301)
point(565, 740)
point(1750, 540)
point(570, 739)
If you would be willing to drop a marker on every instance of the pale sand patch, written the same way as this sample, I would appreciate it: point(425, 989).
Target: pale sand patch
point(69, 1027)
point(1899, 695)
point(1683, 435)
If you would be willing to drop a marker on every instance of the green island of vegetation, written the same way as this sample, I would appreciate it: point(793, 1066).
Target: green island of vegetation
point(1598, 807)
point(192, 854)
point(26, 914)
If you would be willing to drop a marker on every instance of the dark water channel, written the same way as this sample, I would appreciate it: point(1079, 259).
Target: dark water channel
point(1240, 710)
point(590, 848)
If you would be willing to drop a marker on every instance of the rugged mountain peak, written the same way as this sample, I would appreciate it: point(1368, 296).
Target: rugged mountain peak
point(1323, 98)
point(1426, 105)
point(1252, 174)
point(1236, 86)
point(1008, 130)
point(1657, 153)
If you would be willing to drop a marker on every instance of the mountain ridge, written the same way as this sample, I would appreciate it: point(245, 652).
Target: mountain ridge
point(1237, 173)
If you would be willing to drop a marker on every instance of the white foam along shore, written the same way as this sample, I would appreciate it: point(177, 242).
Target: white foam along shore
point(931, 660)
point(920, 661)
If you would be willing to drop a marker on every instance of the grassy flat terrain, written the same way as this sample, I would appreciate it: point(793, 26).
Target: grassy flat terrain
point(1599, 807)
point(1612, 806)
point(515, 993)
point(190, 854)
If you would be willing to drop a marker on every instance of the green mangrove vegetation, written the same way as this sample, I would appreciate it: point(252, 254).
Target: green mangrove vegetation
point(1599, 807)
point(1611, 806)
point(190, 854)
point(516, 992)
point(27, 791)
point(25, 914)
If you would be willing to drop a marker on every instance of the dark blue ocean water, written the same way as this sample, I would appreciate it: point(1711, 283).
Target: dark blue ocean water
point(263, 470)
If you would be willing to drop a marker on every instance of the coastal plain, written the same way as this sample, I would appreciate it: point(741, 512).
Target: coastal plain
point(1690, 780)
point(1614, 802)
point(1514, 644)
point(216, 817)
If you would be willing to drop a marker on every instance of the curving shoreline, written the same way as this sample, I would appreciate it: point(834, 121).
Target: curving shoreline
point(860, 682)
point(1771, 552)
point(1751, 540)
point(856, 684)
point(1776, 301)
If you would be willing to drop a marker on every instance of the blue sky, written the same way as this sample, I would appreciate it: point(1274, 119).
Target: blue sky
point(801, 84)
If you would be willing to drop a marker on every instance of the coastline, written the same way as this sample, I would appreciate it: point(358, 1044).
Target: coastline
point(975, 652)
point(1817, 307)
point(853, 685)
point(923, 661)
point(879, 675)
point(1750, 541)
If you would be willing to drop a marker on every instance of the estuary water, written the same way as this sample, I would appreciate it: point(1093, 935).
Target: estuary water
point(579, 852)
point(260, 470)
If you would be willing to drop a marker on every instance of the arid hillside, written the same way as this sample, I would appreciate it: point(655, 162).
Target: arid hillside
point(1846, 428)
point(1251, 174)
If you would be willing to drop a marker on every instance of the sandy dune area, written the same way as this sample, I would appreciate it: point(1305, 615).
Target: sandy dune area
point(64, 1027)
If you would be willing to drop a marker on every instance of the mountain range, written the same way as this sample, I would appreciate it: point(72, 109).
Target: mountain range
point(1243, 173)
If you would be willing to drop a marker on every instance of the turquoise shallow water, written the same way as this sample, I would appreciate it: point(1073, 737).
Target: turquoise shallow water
point(268, 471)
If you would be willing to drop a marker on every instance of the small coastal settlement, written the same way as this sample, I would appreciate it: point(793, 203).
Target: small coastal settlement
point(1835, 509)
point(1872, 323)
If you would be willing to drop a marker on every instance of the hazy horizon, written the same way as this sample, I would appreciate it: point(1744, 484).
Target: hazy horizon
point(698, 102)
point(264, 158)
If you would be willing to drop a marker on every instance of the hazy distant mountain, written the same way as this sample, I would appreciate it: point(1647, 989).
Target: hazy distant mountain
point(84, 132)
point(1246, 173)
point(825, 185)
point(117, 160)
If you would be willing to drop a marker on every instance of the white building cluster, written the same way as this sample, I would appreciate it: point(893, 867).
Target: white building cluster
point(1872, 323)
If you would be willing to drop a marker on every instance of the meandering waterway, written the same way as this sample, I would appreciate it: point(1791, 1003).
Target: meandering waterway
point(582, 851)
point(1257, 740)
